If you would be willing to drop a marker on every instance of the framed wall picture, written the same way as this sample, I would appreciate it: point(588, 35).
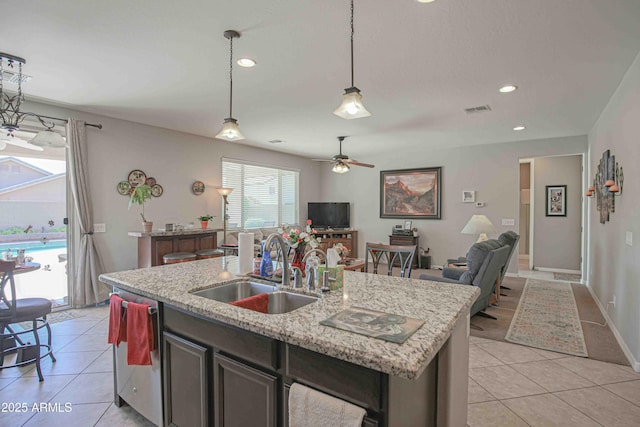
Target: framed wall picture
point(407, 225)
point(411, 193)
point(468, 196)
point(556, 200)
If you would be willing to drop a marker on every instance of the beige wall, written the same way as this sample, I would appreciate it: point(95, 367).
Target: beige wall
point(492, 170)
point(35, 205)
point(12, 173)
point(614, 267)
point(176, 160)
point(557, 239)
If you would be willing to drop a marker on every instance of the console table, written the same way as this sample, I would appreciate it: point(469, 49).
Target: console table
point(156, 244)
point(349, 238)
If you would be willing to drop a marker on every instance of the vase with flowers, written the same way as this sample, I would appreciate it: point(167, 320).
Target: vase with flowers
point(299, 240)
point(343, 252)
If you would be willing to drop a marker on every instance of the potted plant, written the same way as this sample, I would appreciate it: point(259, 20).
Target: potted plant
point(140, 195)
point(204, 221)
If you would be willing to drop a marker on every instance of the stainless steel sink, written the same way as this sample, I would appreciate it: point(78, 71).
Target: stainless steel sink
point(283, 302)
point(280, 302)
point(235, 291)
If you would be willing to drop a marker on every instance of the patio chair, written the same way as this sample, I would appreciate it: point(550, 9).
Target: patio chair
point(13, 311)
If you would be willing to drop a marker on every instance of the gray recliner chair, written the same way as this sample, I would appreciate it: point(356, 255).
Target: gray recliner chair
point(510, 238)
point(485, 262)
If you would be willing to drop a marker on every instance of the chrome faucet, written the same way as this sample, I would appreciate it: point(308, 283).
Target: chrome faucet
point(286, 280)
point(311, 271)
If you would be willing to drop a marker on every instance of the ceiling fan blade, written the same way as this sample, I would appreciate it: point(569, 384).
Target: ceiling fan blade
point(366, 165)
point(357, 163)
point(21, 143)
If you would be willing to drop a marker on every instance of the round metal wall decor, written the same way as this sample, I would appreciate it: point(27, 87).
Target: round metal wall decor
point(197, 188)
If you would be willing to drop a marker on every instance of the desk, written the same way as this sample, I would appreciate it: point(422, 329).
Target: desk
point(353, 264)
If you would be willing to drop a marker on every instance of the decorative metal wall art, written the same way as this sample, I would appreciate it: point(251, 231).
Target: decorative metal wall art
point(135, 178)
point(607, 184)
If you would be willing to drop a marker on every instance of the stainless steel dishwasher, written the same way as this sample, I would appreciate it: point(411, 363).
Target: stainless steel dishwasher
point(140, 386)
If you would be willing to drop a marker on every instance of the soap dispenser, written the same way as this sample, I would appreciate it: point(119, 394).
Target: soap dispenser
point(266, 266)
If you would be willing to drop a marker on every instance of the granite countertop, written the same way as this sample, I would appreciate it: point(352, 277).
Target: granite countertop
point(440, 305)
point(183, 232)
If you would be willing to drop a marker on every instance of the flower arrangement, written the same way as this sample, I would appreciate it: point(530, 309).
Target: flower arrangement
point(343, 251)
point(294, 237)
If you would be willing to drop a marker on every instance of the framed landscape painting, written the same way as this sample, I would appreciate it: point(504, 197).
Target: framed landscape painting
point(556, 200)
point(411, 193)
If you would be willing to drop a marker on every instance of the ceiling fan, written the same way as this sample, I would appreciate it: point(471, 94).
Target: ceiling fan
point(14, 140)
point(341, 162)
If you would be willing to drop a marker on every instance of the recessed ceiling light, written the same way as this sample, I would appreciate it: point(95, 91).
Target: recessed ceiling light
point(246, 62)
point(425, 1)
point(519, 128)
point(508, 88)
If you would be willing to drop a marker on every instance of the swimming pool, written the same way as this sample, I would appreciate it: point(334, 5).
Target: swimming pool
point(33, 246)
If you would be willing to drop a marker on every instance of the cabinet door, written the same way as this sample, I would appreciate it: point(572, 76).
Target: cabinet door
point(208, 241)
point(186, 376)
point(161, 248)
point(244, 396)
point(185, 244)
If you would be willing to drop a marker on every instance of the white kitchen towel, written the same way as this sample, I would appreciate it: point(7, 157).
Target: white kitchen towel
point(245, 253)
point(311, 408)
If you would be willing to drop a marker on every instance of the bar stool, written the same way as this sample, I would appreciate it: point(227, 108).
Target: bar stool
point(176, 257)
point(209, 253)
point(20, 310)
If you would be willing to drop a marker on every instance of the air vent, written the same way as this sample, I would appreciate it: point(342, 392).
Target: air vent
point(12, 77)
point(480, 109)
point(276, 141)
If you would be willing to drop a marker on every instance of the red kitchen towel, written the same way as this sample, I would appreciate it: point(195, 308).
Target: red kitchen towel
point(258, 303)
point(139, 334)
point(117, 321)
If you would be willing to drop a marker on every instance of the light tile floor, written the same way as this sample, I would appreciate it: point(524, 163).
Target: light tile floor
point(509, 385)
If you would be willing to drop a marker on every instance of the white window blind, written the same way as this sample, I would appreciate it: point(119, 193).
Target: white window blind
point(262, 196)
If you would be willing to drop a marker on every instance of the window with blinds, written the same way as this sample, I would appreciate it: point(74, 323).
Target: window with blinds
point(262, 196)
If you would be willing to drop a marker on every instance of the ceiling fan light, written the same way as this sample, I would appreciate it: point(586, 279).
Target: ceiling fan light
point(230, 131)
point(340, 167)
point(48, 138)
point(351, 107)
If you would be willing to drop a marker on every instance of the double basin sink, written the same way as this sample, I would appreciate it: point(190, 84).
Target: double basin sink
point(280, 302)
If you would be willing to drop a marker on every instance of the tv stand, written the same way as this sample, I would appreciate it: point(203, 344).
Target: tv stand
point(348, 237)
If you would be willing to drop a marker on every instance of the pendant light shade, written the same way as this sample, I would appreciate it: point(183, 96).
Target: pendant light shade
point(351, 107)
point(230, 131)
point(48, 138)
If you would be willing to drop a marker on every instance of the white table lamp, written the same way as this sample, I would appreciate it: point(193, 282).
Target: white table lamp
point(480, 225)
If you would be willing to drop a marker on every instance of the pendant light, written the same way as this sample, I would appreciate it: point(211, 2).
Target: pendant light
point(351, 107)
point(230, 131)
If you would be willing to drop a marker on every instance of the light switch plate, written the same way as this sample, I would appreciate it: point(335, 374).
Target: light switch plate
point(508, 221)
point(628, 239)
point(99, 228)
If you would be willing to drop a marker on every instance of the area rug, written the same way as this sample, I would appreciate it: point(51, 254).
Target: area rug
point(570, 277)
point(547, 318)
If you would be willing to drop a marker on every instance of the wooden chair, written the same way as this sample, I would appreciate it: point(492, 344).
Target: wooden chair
point(392, 253)
point(13, 311)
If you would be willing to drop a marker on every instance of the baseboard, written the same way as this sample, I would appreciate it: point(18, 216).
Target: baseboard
point(635, 364)
point(557, 270)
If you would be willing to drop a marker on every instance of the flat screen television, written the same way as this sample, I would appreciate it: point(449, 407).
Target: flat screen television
point(329, 214)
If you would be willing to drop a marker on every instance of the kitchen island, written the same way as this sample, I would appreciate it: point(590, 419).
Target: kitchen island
point(420, 382)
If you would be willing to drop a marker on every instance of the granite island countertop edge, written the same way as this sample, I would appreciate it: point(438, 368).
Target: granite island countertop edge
point(439, 305)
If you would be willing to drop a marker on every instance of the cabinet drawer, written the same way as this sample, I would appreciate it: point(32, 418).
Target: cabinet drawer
point(347, 381)
point(249, 346)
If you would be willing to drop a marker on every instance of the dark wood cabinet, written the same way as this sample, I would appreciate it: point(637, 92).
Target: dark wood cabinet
point(348, 238)
point(407, 241)
point(237, 387)
point(151, 249)
point(186, 382)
